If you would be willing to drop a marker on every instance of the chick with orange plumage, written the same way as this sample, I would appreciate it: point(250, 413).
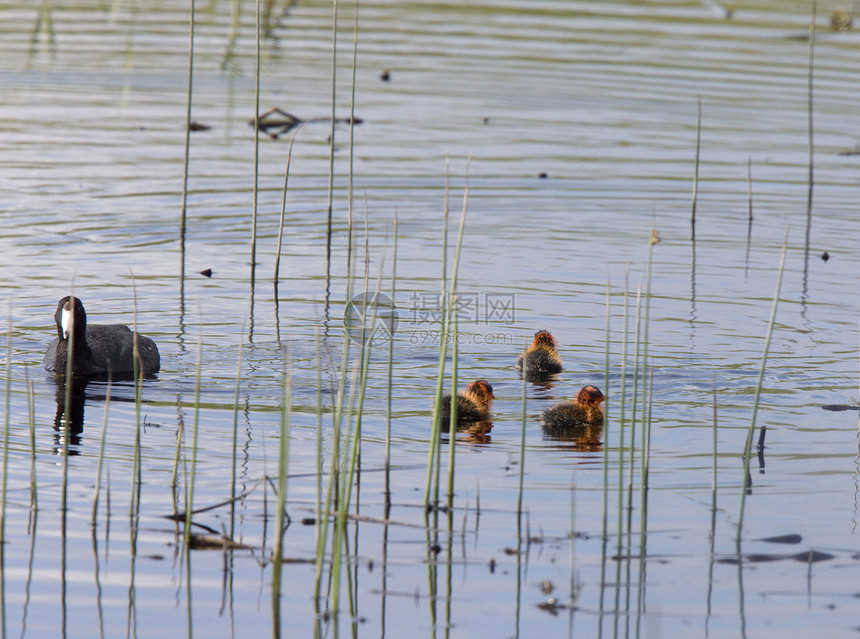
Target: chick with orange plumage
point(584, 411)
point(473, 404)
point(542, 357)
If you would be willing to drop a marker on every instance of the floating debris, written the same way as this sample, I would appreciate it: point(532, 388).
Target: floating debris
point(385, 76)
point(840, 407)
point(841, 20)
point(809, 556)
point(783, 539)
point(206, 542)
point(276, 122)
point(825, 256)
point(552, 606)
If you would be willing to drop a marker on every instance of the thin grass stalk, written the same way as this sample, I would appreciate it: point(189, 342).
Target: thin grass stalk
point(750, 214)
point(390, 375)
point(646, 390)
point(97, 491)
point(337, 480)
point(235, 22)
point(137, 372)
point(342, 490)
point(352, 107)
point(6, 420)
point(621, 422)
point(446, 313)
point(432, 462)
point(319, 438)
point(346, 485)
point(751, 429)
point(180, 436)
point(522, 461)
point(187, 155)
point(331, 135)
point(714, 464)
point(643, 488)
point(445, 211)
point(283, 212)
point(605, 528)
point(235, 448)
point(606, 393)
point(572, 567)
point(31, 410)
point(809, 116)
point(634, 396)
point(189, 492)
point(258, 61)
point(337, 418)
point(696, 169)
point(283, 461)
point(452, 421)
point(67, 405)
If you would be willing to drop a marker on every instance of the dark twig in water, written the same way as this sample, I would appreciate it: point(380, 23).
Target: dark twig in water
point(750, 207)
point(840, 407)
point(760, 446)
point(275, 122)
point(760, 450)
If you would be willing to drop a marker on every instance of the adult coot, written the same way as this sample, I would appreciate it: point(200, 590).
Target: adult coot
point(99, 349)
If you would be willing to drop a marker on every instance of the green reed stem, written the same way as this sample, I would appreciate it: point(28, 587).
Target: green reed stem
point(522, 462)
point(343, 491)
point(634, 396)
point(232, 38)
point(258, 64)
point(646, 389)
point(809, 115)
point(751, 429)
point(319, 459)
point(137, 371)
point(180, 436)
point(6, 420)
point(189, 494)
point(332, 132)
point(283, 212)
point(696, 170)
point(283, 461)
point(714, 460)
point(390, 372)
point(452, 421)
point(443, 349)
point(97, 491)
point(187, 155)
point(352, 107)
point(621, 422)
point(606, 394)
point(349, 479)
point(235, 449)
point(67, 405)
point(31, 410)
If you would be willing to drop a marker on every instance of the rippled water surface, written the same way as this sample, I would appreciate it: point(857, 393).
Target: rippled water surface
point(574, 125)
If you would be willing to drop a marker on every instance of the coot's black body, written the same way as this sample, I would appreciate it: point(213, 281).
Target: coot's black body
point(98, 349)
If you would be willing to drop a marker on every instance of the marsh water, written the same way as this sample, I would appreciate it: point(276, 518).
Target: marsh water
point(574, 125)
